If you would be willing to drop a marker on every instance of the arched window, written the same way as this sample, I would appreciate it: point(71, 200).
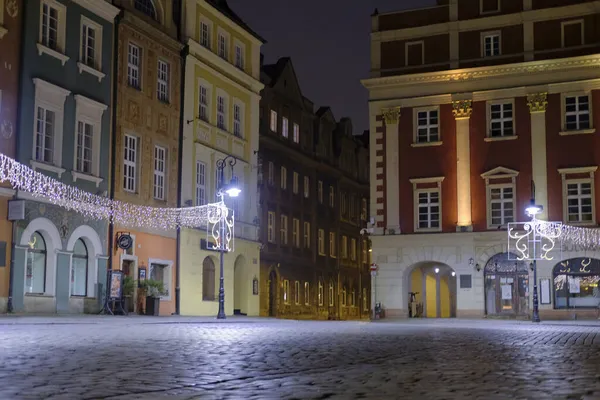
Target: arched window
point(79, 269)
point(35, 280)
point(506, 285)
point(147, 7)
point(208, 280)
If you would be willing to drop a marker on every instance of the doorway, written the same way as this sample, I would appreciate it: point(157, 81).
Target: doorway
point(434, 288)
point(129, 269)
point(273, 294)
point(506, 286)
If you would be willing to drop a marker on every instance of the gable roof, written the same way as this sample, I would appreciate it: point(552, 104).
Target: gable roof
point(322, 111)
point(223, 7)
point(284, 68)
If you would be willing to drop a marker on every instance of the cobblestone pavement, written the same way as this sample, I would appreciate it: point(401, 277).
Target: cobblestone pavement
point(184, 358)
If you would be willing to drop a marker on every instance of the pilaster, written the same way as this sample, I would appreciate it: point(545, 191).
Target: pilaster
point(462, 110)
point(538, 103)
point(391, 117)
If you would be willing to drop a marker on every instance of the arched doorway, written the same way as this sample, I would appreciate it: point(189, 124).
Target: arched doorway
point(209, 280)
point(240, 287)
point(434, 285)
point(79, 269)
point(35, 278)
point(506, 286)
point(273, 294)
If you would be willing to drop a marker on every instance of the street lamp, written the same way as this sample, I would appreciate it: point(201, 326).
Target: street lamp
point(532, 210)
point(223, 190)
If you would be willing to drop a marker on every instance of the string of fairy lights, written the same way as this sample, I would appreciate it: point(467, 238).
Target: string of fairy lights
point(25, 179)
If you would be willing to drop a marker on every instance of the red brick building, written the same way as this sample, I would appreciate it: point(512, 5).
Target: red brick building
point(471, 101)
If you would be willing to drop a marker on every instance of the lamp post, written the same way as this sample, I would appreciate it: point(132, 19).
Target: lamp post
point(532, 210)
point(232, 191)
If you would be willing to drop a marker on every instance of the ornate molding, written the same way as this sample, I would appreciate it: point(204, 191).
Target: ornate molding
point(537, 102)
point(391, 115)
point(462, 109)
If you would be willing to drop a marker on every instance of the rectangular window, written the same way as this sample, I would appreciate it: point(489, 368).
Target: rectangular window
point(321, 240)
point(320, 191)
point(321, 294)
point(501, 204)
point(88, 46)
point(307, 235)
point(296, 133)
point(428, 209)
point(203, 104)
point(295, 182)
point(44, 136)
point(331, 197)
point(306, 294)
point(284, 127)
point(237, 120)
point(130, 158)
point(353, 249)
point(49, 35)
point(572, 33)
point(283, 178)
point(579, 202)
point(306, 187)
point(491, 45)
point(414, 54)
point(344, 297)
point(344, 249)
point(296, 232)
point(239, 57)
point(428, 128)
point(205, 35)
point(273, 121)
point(297, 292)
point(160, 161)
point(332, 252)
point(221, 113)
point(489, 6)
point(83, 155)
point(286, 291)
point(200, 183)
point(331, 295)
point(162, 84)
point(577, 113)
point(223, 48)
point(501, 120)
point(271, 173)
point(134, 58)
point(271, 227)
point(284, 230)
point(161, 273)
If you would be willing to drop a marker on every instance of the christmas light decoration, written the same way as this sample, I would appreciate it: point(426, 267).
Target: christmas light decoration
point(25, 179)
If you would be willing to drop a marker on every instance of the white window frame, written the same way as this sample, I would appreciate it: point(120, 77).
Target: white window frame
point(89, 112)
point(200, 183)
point(283, 229)
point(414, 43)
point(158, 192)
point(331, 196)
point(563, 101)
point(488, 12)
point(306, 232)
point(344, 297)
point(241, 62)
point(273, 121)
point(332, 245)
point(168, 265)
point(491, 178)
point(271, 173)
point(225, 35)
point(306, 293)
point(225, 113)
point(416, 190)
point(501, 120)
point(321, 294)
point(295, 182)
point(59, 52)
point(271, 226)
point(491, 35)
point(353, 249)
point(296, 232)
point(572, 22)
point(209, 25)
point(131, 67)
point(565, 172)
point(238, 125)
point(321, 242)
point(207, 106)
point(306, 187)
point(286, 291)
point(96, 68)
point(331, 295)
point(163, 85)
point(297, 292)
point(320, 191)
point(283, 178)
point(52, 98)
point(490, 201)
point(428, 127)
point(133, 164)
point(285, 126)
point(296, 133)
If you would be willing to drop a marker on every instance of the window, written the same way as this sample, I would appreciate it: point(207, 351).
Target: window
point(283, 178)
point(160, 169)
point(365, 250)
point(35, 277)
point(353, 249)
point(579, 202)
point(44, 137)
point(286, 291)
point(284, 230)
point(491, 44)
point(205, 29)
point(577, 113)
point(576, 286)
point(147, 7)
point(161, 272)
point(321, 294)
point(489, 6)
point(223, 46)
point(321, 239)
point(343, 204)
point(296, 133)
point(306, 293)
point(501, 119)
point(221, 112)
point(331, 197)
point(271, 173)
point(134, 58)
point(428, 209)
point(273, 121)
point(353, 298)
point(162, 88)
point(363, 210)
point(130, 163)
point(428, 128)
point(203, 103)
point(501, 204)
point(414, 53)
point(332, 252)
point(208, 280)
point(52, 13)
point(83, 150)
point(91, 41)
point(295, 182)
point(572, 33)
point(79, 269)
point(239, 56)
point(284, 127)
point(238, 120)
point(331, 295)
point(344, 297)
point(320, 191)
point(200, 183)
point(271, 227)
point(297, 292)
point(307, 235)
point(306, 187)
point(365, 300)
point(296, 232)
point(344, 249)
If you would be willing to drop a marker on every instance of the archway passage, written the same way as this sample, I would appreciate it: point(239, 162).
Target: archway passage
point(506, 286)
point(273, 294)
point(434, 288)
point(240, 287)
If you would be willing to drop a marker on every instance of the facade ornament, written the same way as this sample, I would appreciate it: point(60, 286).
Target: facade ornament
point(6, 129)
point(12, 8)
point(391, 115)
point(462, 109)
point(537, 102)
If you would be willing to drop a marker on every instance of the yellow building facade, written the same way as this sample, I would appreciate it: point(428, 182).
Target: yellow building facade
point(221, 117)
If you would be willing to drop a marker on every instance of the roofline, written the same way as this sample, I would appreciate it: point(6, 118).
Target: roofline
point(243, 26)
point(410, 10)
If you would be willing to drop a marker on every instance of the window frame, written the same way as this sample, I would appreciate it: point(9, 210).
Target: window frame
point(286, 291)
point(296, 232)
point(297, 293)
point(239, 45)
point(321, 242)
point(563, 101)
point(168, 266)
point(331, 196)
point(221, 94)
point(159, 174)
point(285, 127)
point(344, 247)
point(502, 120)
point(271, 173)
point(163, 86)
point(97, 64)
point(271, 216)
point(417, 190)
point(352, 249)
point(296, 133)
point(221, 33)
point(90, 112)
point(497, 10)
point(414, 43)
point(133, 164)
point(306, 235)
point(283, 229)
point(490, 34)
point(320, 191)
point(429, 126)
point(60, 51)
point(332, 245)
point(295, 182)
point(306, 187)
point(489, 188)
point(321, 294)
point(135, 67)
point(87, 268)
point(306, 293)
point(273, 121)
point(207, 106)
point(565, 172)
point(331, 295)
point(581, 22)
point(209, 25)
point(496, 178)
point(283, 178)
point(200, 186)
point(238, 124)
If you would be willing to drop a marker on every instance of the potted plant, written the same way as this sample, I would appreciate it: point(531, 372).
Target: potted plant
point(128, 289)
point(153, 290)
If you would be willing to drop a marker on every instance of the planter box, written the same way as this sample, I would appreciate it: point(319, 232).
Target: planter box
point(152, 305)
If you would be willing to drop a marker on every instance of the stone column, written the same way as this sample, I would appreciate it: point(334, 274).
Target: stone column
point(63, 281)
point(392, 170)
point(537, 107)
point(462, 113)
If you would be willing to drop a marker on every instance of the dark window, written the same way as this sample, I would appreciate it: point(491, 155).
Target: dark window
point(489, 6)
point(572, 34)
point(147, 7)
point(414, 54)
point(465, 282)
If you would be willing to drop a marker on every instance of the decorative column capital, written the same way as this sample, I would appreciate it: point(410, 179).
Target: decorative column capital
point(462, 109)
point(537, 102)
point(391, 115)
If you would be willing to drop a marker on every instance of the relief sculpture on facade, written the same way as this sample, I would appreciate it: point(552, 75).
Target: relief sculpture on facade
point(391, 115)
point(462, 109)
point(537, 102)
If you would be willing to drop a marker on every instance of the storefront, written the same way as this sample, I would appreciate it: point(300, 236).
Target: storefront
point(576, 283)
point(506, 286)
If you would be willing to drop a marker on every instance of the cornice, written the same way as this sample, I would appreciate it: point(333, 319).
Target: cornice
point(101, 8)
point(152, 32)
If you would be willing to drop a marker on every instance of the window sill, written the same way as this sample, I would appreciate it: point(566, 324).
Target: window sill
point(427, 144)
point(578, 132)
point(587, 224)
point(43, 49)
point(86, 177)
point(47, 295)
point(3, 31)
point(428, 230)
point(47, 167)
point(500, 138)
point(92, 71)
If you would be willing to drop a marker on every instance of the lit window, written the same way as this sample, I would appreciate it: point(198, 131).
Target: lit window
point(428, 209)
point(284, 127)
point(133, 65)
point(491, 45)
point(501, 204)
point(296, 133)
point(307, 235)
point(579, 202)
point(273, 121)
point(284, 230)
point(306, 294)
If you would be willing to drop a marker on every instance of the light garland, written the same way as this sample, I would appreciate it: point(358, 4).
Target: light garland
point(25, 179)
point(583, 238)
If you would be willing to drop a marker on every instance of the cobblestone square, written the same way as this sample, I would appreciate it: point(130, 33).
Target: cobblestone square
point(187, 358)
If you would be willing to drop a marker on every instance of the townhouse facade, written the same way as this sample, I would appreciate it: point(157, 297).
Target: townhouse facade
point(11, 14)
point(472, 101)
point(221, 119)
point(313, 185)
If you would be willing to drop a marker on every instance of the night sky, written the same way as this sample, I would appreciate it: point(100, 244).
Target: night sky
point(328, 41)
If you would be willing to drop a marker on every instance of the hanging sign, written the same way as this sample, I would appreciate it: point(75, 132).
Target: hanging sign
point(125, 241)
point(506, 292)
